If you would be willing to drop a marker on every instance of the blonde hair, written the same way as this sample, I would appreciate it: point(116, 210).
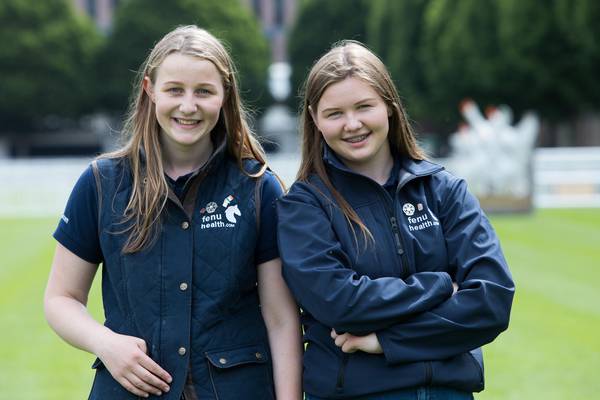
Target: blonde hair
point(346, 59)
point(141, 130)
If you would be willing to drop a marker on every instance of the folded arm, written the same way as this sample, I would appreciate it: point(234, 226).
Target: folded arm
point(480, 309)
point(321, 277)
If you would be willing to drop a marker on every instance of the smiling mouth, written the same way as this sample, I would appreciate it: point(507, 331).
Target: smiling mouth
point(188, 122)
point(357, 139)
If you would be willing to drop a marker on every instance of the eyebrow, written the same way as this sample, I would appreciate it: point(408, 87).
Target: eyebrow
point(181, 83)
point(358, 102)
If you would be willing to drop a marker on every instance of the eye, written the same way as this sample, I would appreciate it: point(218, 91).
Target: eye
point(364, 106)
point(203, 92)
point(175, 90)
point(333, 114)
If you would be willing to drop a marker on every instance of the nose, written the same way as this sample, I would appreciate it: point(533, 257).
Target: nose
point(352, 123)
point(188, 105)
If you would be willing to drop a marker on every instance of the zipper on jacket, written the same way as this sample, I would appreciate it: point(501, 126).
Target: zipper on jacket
point(428, 372)
point(339, 386)
point(399, 245)
point(396, 231)
point(389, 203)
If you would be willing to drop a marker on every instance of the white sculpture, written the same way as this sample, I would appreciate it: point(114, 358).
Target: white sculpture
point(493, 155)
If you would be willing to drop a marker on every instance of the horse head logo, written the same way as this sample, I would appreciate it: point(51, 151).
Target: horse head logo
point(231, 212)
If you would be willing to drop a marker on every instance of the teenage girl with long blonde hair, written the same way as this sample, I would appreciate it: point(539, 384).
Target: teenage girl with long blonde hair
point(182, 220)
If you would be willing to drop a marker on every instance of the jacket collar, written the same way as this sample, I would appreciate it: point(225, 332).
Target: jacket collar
point(409, 168)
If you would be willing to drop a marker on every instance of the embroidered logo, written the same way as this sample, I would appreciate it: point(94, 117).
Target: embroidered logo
point(220, 219)
point(408, 209)
point(211, 207)
point(231, 212)
point(423, 220)
point(227, 200)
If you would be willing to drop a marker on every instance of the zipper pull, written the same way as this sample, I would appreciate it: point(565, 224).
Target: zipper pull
point(399, 248)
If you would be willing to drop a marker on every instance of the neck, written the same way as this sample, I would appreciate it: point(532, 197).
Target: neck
point(182, 160)
point(378, 170)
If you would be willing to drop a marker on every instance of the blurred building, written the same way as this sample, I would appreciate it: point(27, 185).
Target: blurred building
point(101, 11)
point(275, 16)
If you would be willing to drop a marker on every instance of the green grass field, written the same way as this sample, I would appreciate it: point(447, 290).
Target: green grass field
point(551, 350)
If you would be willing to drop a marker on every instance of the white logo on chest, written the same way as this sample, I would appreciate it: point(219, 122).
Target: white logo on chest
point(212, 216)
point(422, 220)
point(231, 212)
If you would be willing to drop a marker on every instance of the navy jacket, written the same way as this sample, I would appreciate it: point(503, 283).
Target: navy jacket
point(431, 233)
point(192, 295)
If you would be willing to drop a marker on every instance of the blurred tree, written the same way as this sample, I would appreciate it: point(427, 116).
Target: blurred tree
point(578, 24)
point(395, 32)
point(45, 62)
point(460, 56)
point(139, 24)
point(524, 53)
point(320, 24)
point(541, 63)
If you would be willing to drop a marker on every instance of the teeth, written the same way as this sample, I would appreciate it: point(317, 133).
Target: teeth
point(186, 121)
point(357, 139)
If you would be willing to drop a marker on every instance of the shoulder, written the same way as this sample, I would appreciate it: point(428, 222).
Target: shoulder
point(434, 174)
point(444, 180)
point(452, 193)
point(310, 191)
point(271, 186)
point(85, 184)
point(109, 167)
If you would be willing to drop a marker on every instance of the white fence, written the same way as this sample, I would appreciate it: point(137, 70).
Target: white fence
point(567, 177)
point(564, 177)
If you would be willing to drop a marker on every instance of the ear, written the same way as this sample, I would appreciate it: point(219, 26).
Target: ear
point(149, 88)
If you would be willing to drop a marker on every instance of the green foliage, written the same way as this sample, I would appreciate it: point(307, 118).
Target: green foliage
point(460, 55)
point(318, 26)
point(531, 55)
point(550, 351)
point(45, 62)
point(394, 32)
point(578, 25)
point(139, 24)
point(539, 68)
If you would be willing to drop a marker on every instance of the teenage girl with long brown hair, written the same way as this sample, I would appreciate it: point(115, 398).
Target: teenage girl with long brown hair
point(398, 270)
point(182, 220)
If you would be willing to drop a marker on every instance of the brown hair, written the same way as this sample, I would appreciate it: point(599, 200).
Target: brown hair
point(141, 131)
point(346, 59)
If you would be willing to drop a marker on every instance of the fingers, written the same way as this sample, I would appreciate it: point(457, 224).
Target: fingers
point(333, 334)
point(130, 387)
point(349, 346)
point(155, 375)
point(127, 360)
point(347, 342)
point(341, 339)
point(142, 382)
point(142, 386)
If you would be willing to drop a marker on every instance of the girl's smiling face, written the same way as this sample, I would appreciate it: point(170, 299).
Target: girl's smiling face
point(354, 122)
point(188, 94)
